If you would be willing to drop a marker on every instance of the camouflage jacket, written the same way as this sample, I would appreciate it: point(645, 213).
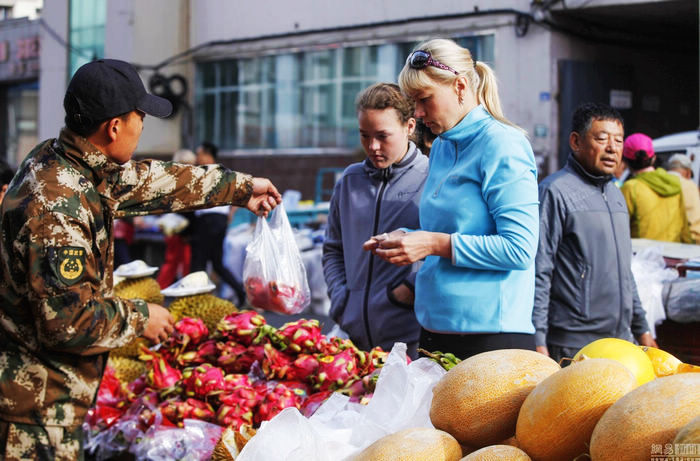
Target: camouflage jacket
point(58, 315)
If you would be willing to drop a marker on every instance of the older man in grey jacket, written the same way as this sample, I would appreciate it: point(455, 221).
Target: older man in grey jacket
point(584, 287)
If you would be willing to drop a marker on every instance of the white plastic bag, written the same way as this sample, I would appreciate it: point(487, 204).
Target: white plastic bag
point(273, 272)
point(650, 274)
point(340, 428)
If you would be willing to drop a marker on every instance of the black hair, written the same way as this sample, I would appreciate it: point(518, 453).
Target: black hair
point(586, 113)
point(6, 173)
point(79, 123)
point(641, 160)
point(210, 148)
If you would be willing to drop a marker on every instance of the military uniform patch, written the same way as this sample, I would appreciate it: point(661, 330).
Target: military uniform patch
point(69, 264)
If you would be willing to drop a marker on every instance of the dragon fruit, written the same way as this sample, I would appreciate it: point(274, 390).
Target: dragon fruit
point(361, 389)
point(246, 396)
point(243, 327)
point(206, 352)
point(313, 402)
point(160, 374)
point(176, 411)
point(203, 381)
point(370, 361)
point(302, 368)
point(237, 358)
point(300, 336)
point(280, 398)
point(334, 345)
point(335, 371)
point(191, 331)
point(276, 363)
point(234, 416)
point(232, 381)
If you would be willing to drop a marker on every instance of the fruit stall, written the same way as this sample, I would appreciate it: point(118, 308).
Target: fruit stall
point(227, 385)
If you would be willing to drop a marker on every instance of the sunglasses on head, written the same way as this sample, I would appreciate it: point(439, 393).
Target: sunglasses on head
point(421, 59)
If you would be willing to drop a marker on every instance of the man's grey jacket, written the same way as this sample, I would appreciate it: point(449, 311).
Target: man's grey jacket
point(584, 287)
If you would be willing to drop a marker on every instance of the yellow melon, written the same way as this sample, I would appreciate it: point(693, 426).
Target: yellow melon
point(497, 453)
point(558, 417)
point(625, 352)
point(687, 368)
point(415, 444)
point(664, 363)
point(478, 400)
point(649, 416)
point(690, 433)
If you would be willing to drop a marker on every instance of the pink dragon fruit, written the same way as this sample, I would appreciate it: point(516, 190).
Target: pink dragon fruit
point(300, 389)
point(367, 362)
point(206, 352)
point(300, 336)
point(234, 416)
point(313, 402)
point(243, 327)
point(246, 396)
point(280, 398)
point(203, 381)
point(334, 345)
point(191, 331)
point(303, 367)
point(335, 371)
point(234, 380)
point(160, 375)
point(176, 411)
point(237, 358)
point(275, 364)
point(361, 389)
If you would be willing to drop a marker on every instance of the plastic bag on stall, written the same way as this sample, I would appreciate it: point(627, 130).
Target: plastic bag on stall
point(650, 274)
point(194, 442)
point(682, 300)
point(273, 272)
point(340, 428)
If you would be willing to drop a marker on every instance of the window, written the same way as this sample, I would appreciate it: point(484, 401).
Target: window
point(87, 31)
point(303, 100)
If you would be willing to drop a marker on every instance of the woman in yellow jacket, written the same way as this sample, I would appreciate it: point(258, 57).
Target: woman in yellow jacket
point(653, 196)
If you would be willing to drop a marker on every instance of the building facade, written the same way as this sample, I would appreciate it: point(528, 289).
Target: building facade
point(273, 84)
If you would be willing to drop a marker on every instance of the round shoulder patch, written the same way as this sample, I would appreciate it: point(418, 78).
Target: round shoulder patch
point(69, 264)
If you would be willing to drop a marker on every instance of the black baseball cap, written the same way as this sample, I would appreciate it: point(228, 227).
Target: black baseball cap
point(106, 88)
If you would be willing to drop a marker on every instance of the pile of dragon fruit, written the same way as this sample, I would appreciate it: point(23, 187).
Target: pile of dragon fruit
point(243, 374)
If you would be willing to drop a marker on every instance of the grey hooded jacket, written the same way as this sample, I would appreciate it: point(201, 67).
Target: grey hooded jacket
point(584, 287)
point(368, 201)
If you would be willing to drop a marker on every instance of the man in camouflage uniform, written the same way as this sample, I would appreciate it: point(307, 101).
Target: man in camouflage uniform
point(58, 315)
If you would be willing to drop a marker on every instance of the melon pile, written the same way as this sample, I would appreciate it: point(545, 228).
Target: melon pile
point(616, 401)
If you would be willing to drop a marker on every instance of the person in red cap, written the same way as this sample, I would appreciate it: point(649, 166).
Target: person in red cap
point(653, 196)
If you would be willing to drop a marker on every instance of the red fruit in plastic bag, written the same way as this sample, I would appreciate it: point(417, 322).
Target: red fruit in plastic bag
point(257, 292)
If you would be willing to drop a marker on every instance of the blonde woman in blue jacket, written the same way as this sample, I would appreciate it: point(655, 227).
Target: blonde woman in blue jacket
point(478, 212)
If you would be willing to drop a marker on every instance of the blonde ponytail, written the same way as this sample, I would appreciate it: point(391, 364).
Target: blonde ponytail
point(486, 89)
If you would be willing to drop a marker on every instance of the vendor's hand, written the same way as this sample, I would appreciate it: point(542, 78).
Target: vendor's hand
point(265, 197)
point(410, 247)
point(160, 323)
point(542, 350)
point(373, 242)
point(647, 340)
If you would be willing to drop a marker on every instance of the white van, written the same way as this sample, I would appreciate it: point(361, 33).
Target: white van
point(687, 142)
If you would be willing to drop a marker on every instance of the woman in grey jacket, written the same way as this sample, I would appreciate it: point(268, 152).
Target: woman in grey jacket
point(371, 299)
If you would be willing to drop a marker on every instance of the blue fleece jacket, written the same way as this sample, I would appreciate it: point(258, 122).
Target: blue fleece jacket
point(481, 189)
